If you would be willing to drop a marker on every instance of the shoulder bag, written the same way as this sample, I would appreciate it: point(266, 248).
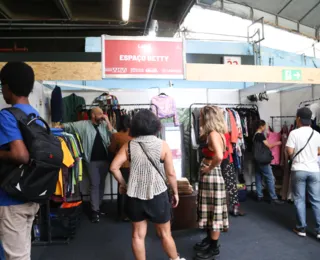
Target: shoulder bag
point(158, 170)
point(293, 157)
point(261, 153)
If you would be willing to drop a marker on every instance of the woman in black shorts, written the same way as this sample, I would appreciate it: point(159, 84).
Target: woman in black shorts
point(151, 166)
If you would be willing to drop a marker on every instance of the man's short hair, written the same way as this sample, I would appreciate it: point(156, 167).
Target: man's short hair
point(19, 77)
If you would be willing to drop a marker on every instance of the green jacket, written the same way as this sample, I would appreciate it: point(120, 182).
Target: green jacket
point(88, 133)
point(70, 105)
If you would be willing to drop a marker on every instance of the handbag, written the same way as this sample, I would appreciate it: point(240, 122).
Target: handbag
point(293, 157)
point(155, 166)
point(261, 153)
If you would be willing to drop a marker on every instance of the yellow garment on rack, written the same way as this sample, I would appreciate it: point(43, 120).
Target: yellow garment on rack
point(68, 161)
point(80, 160)
point(80, 170)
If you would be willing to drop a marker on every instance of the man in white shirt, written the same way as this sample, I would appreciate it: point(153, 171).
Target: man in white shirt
point(303, 146)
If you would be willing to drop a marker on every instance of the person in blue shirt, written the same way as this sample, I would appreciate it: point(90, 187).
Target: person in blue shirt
point(17, 80)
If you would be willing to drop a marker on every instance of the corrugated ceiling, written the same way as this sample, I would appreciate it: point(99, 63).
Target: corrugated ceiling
point(297, 15)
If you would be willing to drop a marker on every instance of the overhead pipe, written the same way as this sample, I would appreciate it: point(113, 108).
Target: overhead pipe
point(108, 24)
point(67, 28)
point(152, 7)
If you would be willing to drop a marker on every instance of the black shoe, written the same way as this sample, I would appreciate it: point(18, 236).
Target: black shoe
point(203, 245)
point(210, 254)
point(301, 232)
point(95, 217)
point(259, 199)
point(277, 202)
point(103, 209)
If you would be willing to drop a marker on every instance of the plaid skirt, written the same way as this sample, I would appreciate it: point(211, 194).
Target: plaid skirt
point(212, 201)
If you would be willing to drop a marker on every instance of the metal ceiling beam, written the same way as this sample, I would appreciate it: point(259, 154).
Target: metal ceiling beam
point(315, 6)
point(185, 10)
point(285, 6)
point(152, 7)
point(64, 8)
point(4, 11)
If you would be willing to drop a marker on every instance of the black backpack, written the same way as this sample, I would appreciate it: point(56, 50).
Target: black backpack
point(36, 181)
point(261, 153)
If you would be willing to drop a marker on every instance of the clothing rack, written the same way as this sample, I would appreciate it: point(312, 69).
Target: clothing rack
point(135, 106)
point(309, 101)
point(50, 241)
point(273, 117)
point(227, 105)
point(120, 105)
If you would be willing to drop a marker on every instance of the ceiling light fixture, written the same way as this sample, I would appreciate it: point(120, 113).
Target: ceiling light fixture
point(125, 10)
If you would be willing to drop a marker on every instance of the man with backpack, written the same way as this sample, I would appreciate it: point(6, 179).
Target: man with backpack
point(303, 147)
point(16, 216)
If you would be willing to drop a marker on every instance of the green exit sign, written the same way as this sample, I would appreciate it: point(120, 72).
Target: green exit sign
point(291, 75)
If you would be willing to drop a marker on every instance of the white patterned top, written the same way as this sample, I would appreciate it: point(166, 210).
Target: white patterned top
point(145, 181)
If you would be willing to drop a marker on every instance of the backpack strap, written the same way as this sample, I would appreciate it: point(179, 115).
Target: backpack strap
point(302, 147)
point(18, 114)
point(27, 119)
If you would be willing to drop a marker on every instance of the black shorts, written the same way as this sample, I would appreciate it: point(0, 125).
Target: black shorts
point(157, 210)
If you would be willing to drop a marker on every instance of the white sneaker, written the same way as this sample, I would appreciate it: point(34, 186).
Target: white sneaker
point(318, 236)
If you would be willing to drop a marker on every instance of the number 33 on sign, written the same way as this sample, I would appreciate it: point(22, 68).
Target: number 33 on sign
point(231, 60)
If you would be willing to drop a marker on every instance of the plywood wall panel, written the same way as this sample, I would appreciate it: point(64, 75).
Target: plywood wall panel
point(66, 70)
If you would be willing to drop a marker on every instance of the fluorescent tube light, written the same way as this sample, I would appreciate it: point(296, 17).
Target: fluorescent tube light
point(125, 10)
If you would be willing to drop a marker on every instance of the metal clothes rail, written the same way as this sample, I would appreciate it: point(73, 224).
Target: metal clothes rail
point(134, 106)
point(309, 101)
point(273, 117)
point(227, 105)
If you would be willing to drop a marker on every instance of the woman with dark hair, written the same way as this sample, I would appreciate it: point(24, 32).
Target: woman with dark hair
point(151, 166)
point(265, 170)
point(117, 141)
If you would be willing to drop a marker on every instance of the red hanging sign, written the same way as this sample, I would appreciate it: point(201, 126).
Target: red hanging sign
point(142, 57)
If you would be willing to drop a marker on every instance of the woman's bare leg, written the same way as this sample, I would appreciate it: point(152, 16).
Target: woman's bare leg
point(139, 231)
point(214, 235)
point(168, 244)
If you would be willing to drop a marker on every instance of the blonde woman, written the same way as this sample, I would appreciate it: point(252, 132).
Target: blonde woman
point(212, 202)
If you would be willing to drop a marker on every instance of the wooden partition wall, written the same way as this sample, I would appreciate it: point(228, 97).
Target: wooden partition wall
point(66, 70)
point(194, 72)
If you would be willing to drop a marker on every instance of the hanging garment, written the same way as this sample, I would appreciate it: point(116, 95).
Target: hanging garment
point(68, 161)
point(227, 119)
point(234, 129)
point(166, 108)
point(315, 109)
point(272, 138)
point(195, 128)
point(56, 105)
point(70, 105)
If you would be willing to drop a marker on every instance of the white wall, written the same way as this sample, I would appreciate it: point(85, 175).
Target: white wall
point(290, 100)
point(183, 97)
point(37, 100)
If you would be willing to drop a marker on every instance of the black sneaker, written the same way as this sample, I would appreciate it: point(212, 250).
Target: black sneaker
point(210, 254)
point(203, 245)
point(301, 232)
point(95, 217)
point(259, 199)
point(277, 202)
